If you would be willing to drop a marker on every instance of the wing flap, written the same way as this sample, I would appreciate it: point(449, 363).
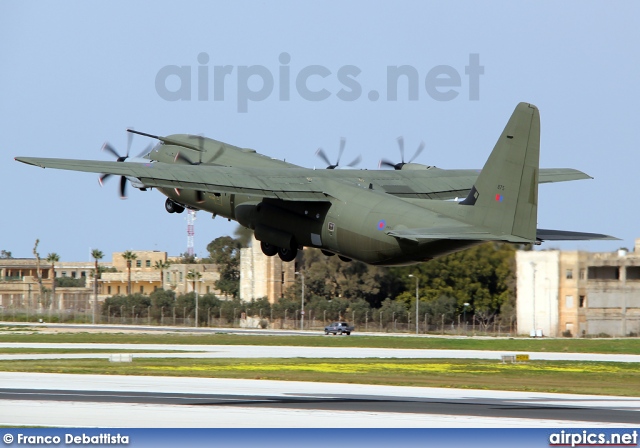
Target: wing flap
point(452, 233)
point(212, 179)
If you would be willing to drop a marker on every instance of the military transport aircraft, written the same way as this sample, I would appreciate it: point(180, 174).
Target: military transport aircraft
point(382, 217)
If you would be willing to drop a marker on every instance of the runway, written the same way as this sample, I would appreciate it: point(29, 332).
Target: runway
point(134, 401)
point(123, 401)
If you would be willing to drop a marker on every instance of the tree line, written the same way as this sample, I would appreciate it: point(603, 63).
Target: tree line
point(477, 283)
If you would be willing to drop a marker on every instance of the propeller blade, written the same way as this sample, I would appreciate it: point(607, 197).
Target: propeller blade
point(104, 177)
point(401, 145)
point(180, 156)
point(320, 153)
point(200, 139)
point(355, 161)
point(343, 143)
point(109, 148)
point(129, 141)
point(217, 154)
point(123, 187)
point(385, 162)
point(399, 165)
point(146, 150)
point(418, 151)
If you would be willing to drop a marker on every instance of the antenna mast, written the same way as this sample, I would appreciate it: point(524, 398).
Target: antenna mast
point(191, 217)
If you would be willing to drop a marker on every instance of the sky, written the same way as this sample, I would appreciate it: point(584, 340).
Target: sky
point(76, 74)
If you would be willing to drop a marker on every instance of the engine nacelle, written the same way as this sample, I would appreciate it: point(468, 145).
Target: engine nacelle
point(280, 226)
point(275, 237)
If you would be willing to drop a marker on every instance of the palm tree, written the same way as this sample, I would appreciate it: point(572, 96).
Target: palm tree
point(129, 256)
point(161, 266)
point(194, 275)
point(97, 255)
point(53, 258)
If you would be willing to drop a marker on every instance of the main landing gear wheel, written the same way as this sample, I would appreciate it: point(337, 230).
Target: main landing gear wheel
point(268, 249)
point(287, 254)
point(173, 207)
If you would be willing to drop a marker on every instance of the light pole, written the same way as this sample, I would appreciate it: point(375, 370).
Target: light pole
point(464, 315)
point(302, 300)
point(417, 302)
point(196, 292)
point(195, 276)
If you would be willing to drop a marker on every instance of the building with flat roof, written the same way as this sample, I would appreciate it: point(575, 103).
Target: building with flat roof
point(20, 289)
point(263, 276)
point(578, 293)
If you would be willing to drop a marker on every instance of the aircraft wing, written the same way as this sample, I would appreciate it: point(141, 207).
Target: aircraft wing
point(278, 184)
point(291, 183)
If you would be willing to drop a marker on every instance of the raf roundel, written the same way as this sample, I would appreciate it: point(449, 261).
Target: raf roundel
point(382, 224)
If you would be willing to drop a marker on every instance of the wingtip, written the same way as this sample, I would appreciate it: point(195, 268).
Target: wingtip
point(27, 161)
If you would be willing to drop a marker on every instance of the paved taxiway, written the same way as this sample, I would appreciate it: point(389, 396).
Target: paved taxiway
point(253, 351)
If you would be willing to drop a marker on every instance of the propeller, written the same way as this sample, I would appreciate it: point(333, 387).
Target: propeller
point(123, 179)
point(201, 151)
point(398, 166)
point(320, 153)
point(180, 156)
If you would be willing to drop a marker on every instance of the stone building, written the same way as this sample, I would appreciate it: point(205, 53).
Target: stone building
point(146, 278)
point(19, 288)
point(577, 293)
point(175, 278)
point(263, 276)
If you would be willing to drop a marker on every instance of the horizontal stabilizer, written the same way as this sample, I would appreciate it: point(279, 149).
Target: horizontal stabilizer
point(564, 235)
point(551, 175)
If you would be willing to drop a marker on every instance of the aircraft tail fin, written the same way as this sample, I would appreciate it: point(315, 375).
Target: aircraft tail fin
point(504, 198)
point(503, 203)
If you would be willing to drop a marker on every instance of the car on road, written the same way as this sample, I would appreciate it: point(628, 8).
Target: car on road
point(338, 328)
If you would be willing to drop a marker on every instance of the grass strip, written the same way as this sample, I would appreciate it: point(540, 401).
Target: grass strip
point(613, 346)
point(619, 379)
point(27, 350)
